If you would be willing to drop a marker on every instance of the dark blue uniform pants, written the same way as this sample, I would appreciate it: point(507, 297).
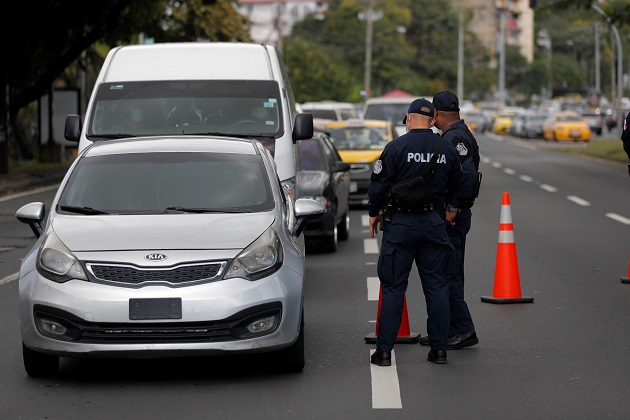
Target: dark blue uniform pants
point(419, 237)
point(461, 321)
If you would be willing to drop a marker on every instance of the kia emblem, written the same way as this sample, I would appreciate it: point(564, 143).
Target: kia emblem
point(155, 257)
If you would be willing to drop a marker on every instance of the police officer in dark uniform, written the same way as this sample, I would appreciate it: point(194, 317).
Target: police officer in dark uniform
point(417, 231)
point(625, 138)
point(454, 130)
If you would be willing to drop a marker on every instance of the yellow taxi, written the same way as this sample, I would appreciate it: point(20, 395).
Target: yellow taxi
point(502, 122)
point(360, 143)
point(566, 125)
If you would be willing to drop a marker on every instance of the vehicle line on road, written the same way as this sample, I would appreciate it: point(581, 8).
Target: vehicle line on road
point(24, 194)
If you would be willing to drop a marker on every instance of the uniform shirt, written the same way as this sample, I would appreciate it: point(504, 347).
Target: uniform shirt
point(625, 135)
point(457, 134)
point(407, 157)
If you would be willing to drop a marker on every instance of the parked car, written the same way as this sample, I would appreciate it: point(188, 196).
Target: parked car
point(165, 246)
point(330, 110)
point(502, 122)
point(595, 120)
point(323, 176)
point(475, 120)
point(360, 143)
point(566, 125)
point(528, 125)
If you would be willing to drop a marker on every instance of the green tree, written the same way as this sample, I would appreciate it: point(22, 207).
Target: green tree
point(52, 40)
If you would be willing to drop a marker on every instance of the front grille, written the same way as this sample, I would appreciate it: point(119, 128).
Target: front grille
point(177, 275)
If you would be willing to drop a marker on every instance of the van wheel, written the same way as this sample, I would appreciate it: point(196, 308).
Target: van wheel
point(344, 227)
point(292, 359)
point(39, 364)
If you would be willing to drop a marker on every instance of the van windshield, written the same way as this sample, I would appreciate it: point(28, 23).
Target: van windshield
point(242, 108)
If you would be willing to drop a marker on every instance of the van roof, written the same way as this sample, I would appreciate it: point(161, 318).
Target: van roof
point(191, 61)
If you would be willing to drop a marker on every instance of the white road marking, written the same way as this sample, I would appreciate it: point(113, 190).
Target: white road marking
point(9, 197)
point(577, 200)
point(509, 171)
point(15, 276)
point(526, 178)
point(365, 220)
point(385, 387)
point(373, 288)
point(370, 246)
point(618, 218)
point(548, 188)
point(496, 164)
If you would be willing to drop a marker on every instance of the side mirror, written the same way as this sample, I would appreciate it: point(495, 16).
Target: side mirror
point(72, 129)
point(303, 129)
point(341, 166)
point(306, 209)
point(33, 215)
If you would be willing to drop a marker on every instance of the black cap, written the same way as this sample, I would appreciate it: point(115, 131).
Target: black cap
point(420, 106)
point(446, 101)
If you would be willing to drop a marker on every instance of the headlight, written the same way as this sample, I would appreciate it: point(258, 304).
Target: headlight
point(56, 262)
point(260, 259)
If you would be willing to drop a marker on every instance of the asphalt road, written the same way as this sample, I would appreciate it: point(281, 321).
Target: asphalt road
point(563, 356)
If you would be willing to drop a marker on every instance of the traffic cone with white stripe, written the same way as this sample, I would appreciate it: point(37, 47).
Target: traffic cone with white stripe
point(627, 278)
point(507, 282)
point(405, 336)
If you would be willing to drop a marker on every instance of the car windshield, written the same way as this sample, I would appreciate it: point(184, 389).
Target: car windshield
point(387, 111)
point(359, 138)
point(569, 118)
point(228, 107)
point(167, 182)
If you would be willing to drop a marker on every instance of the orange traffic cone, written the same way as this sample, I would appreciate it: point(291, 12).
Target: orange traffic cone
point(405, 336)
point(507, 283)
point(627, 278)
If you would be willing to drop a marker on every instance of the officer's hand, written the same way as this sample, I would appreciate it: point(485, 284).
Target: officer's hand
point(374, 225)
point(450, 217)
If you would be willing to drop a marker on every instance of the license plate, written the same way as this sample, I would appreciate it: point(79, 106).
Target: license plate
point(155, 308)
point(575, 133)
point(354, 187)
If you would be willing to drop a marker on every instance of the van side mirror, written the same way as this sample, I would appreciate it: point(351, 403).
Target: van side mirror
point(303, 128)
point(72, 129)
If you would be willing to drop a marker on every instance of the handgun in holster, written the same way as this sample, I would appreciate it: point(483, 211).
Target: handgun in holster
point(387, 213)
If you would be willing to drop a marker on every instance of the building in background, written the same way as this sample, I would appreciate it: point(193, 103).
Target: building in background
point(270, 18)
point(486, 23)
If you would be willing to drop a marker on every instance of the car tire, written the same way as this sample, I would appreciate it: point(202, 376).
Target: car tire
point(39, 364)
point(343, 228)
point(329, 242)
point(292, 358)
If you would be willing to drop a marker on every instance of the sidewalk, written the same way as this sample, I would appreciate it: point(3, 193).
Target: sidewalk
point(15, 183)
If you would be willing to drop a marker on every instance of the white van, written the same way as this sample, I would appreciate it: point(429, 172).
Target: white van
point(227, 89)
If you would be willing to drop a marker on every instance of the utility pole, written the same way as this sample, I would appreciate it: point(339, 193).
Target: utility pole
point(502, 60)
point(615, 32)
point(367, 76)
point(598, 82)
point(460, 56)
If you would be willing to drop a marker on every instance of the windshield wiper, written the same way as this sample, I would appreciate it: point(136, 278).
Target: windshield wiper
point(205, 210)
point(82, 210)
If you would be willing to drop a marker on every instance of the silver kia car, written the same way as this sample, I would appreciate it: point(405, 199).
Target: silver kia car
point(165, 246)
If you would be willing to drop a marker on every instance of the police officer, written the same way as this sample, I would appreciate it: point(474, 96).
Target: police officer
point(454, 130)
point(416, 232)
point(625, 138)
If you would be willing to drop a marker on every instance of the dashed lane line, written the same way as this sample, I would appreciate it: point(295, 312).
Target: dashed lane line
point(385, 386)
point(579, 201)
point(618, 218)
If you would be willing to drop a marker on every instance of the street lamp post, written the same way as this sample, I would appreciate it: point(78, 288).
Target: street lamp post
point(619, 68)
point(367, 75)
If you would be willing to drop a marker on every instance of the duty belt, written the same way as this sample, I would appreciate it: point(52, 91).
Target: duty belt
point(422, 208)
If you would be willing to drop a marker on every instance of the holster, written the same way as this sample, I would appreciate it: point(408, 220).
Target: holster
point(386, 213)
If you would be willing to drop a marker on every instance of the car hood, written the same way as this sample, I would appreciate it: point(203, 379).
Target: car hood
point(312, 182)
point(360, 156)
point(164, 231)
